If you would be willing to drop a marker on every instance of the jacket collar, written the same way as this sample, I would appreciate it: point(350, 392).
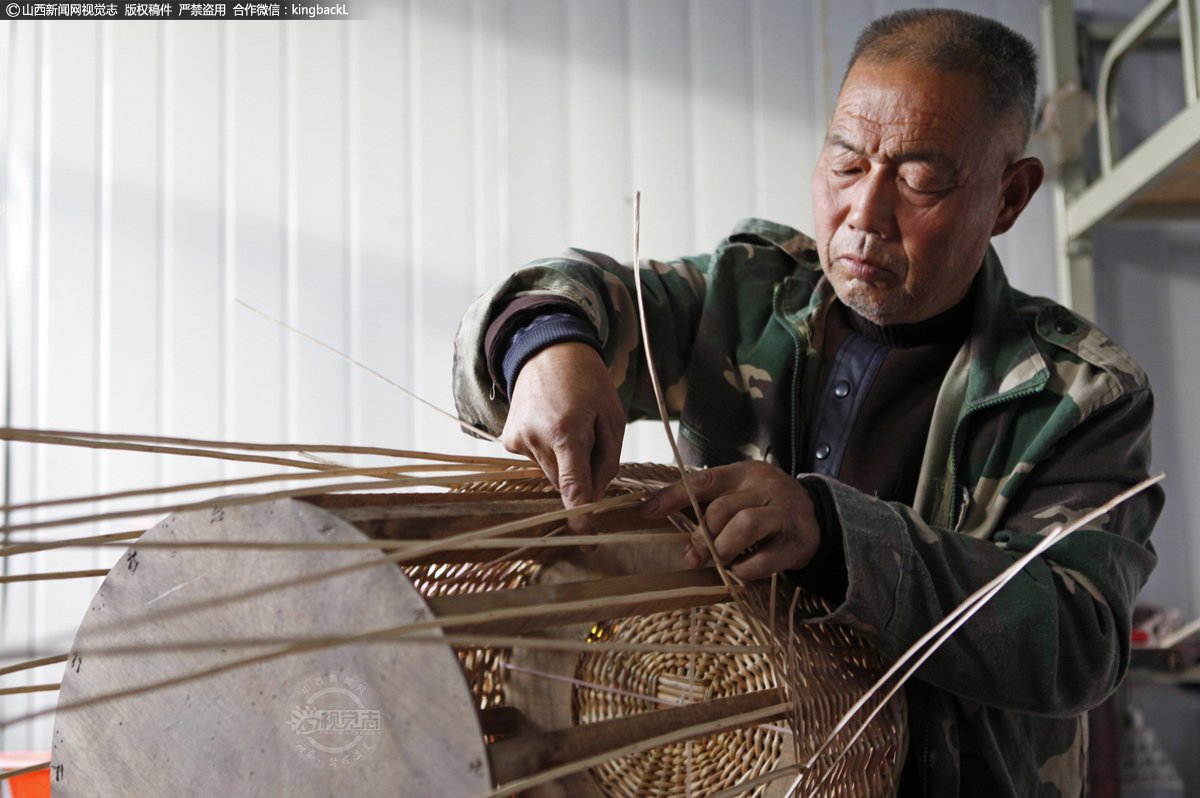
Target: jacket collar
point(1004, 357)
point(1005, 360)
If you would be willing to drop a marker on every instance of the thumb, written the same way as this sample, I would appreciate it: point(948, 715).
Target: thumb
point(575, 485)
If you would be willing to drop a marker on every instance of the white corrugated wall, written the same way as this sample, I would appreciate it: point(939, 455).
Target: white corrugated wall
point(363, 181)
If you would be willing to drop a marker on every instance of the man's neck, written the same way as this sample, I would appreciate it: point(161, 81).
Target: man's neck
point(949, 325)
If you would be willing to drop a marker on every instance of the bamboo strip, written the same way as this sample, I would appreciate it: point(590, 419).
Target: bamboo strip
point(237, 501)
point(390, 632)
point(950, 624)
point(53, 440)
point(271, 447)
point(4, 580)
point(764, 778)
point(33, 663)
point(503, 641)
point(954, 620)
point(473, 640)
point(963, 613)
point(466, 426)
point(30, 688)
point(698, 730)
point(25, 771)
point(660, 398)
point(604, 688)
point(396, 471)
point(433, 547)
point(609, 539)
point(90, 540)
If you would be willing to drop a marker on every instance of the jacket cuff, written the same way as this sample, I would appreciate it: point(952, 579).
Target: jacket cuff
point(554, 327)
point(826, 574)
point(515, 315)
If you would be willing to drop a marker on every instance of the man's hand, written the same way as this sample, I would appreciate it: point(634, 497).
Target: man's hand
point(749, 504)
point(565, 414)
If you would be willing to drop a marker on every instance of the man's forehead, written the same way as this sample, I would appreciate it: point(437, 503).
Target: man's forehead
point(898, 149)
point(906, 113)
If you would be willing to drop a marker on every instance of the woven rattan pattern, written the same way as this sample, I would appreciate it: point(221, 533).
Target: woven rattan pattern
point(825, 667)
point(717, 762)
point(481, 666)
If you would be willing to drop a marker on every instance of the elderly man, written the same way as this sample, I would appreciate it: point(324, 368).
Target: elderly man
point(888, 423)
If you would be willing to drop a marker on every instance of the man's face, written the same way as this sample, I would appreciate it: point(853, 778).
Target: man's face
point(908, 190)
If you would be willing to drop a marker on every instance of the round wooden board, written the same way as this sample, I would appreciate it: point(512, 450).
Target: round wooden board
point(248, 730)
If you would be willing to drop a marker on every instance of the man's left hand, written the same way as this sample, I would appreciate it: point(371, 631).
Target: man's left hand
point(750, 504)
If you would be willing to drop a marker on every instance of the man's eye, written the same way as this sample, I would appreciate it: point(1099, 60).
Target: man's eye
point(923, 190)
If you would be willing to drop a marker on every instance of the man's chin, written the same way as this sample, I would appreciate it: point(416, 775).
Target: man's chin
point(875, 302)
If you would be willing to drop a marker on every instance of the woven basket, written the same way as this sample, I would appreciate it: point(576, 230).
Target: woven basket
point(825, 667)
point(483, 667)
point(712, 763)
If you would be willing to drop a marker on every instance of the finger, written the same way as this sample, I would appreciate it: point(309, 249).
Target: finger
point(721, 510)
point(546, 459)
point(758, 565)
point(745, 529)
point(575, 484)
point(606, 456)
point(719, 513)
point(707, 484)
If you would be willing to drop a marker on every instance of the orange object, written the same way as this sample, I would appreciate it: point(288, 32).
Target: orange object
point(29, 785)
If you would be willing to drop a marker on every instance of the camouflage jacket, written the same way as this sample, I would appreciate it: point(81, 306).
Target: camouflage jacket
point(1040, 417)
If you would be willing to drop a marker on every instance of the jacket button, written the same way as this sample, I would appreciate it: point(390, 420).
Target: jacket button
point(822, 451)
point(841, 390)
point(1065, 326)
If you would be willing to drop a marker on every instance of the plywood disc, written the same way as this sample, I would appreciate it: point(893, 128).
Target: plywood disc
point(362, 719)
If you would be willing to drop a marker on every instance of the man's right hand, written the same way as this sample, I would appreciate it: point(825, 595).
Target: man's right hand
point(564, 413)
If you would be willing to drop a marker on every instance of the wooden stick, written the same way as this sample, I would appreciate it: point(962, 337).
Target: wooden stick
point(6, 434)
point(396, 471)
point(698, 730)
point(466, 426)
point(25, 771)
point(402, 556)
point(54, 440)
point(660, 398)
point(649, 601)
point(31, 688)
point(90, 540)
point(52, 575)
point(237, 501)
point(518, 758)
point(763, 778)
point(378, 636)
point(33, 663)
point(563, 541)
point(537, 606)
point(468, 640)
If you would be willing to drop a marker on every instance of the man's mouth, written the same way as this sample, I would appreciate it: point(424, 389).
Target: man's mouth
point(864, 269)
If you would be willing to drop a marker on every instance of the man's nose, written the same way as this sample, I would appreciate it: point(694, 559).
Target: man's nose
point(872, 208)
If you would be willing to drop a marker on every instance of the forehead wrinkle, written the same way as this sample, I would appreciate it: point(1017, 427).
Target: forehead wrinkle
point(917, 150)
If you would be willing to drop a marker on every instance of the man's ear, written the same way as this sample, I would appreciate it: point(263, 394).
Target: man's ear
point(1021, 180)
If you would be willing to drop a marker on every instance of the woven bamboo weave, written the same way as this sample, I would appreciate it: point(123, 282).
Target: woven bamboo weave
point(825, 667)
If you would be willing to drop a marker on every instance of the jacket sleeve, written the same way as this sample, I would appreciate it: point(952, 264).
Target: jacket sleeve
point(604, 291)
point(1055, 641)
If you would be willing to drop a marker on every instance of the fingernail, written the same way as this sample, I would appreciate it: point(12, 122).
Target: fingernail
point(691, 557)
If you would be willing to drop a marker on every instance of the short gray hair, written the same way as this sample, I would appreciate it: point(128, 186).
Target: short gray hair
point(959, 42)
